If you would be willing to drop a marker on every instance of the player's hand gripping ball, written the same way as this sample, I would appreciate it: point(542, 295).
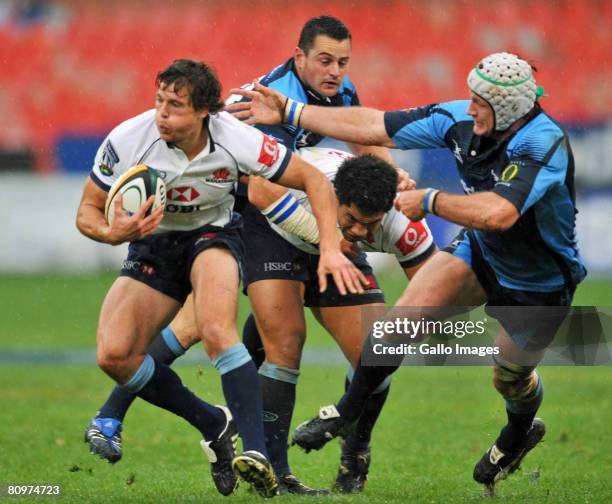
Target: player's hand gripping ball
point(136, 186)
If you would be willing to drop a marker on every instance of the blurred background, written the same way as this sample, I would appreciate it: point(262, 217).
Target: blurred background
point(72, 70)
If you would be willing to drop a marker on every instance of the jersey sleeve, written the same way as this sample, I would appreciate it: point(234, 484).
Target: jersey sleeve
point(111, 161)
point(260, 154)
point(531, 173)
point(410, 241)
point(423, 127)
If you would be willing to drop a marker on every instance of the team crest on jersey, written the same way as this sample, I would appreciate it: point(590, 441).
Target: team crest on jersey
point(270, 151)
point(220, 176)
point(414, 234)
point(109, 159)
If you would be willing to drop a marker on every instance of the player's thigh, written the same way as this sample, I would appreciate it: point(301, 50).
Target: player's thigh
point(279, 313)
point(344, 323)
point(215, 279)
point(444, 280)
point(132, 314)
point(512, 352)
point(184, 325)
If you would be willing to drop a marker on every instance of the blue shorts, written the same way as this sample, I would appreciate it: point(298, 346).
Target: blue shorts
point(164, 261)
point(270, 257)
point(533, 328)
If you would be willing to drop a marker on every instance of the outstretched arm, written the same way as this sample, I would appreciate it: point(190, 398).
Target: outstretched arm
point(486, 211)
point(359, 125)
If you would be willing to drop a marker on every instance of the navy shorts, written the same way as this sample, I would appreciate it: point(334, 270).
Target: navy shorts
point(532, 328)
point(163, 261)
point(270, 257)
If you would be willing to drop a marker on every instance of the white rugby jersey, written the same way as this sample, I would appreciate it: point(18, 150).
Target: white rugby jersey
point(396, 235)
point(198, 191)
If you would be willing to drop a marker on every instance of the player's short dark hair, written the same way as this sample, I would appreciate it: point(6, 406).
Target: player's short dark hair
point(367, 181)
point(200, 78)
point(322, 25)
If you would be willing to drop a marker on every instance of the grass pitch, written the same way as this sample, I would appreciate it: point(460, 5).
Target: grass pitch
point(435, 426)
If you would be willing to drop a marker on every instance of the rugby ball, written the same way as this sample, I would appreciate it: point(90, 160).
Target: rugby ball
point(136, 185)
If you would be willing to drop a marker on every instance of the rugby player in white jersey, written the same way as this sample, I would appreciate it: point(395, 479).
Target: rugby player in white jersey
point(283, 269)
point(318, 73)
point(195, 245)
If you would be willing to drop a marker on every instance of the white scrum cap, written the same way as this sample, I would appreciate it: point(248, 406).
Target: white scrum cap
point(506, 82)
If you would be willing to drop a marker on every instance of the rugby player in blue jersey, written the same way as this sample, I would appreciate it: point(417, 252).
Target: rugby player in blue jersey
point(518, 247)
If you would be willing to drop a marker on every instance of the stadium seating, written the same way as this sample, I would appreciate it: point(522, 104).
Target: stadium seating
point(98, 68)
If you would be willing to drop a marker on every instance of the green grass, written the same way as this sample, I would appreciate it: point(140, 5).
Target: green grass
point(435, 426)
point(56, 311)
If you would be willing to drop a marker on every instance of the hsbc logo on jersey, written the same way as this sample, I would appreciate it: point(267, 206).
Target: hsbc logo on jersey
point(270, 151)
point(414, 234)
point(184, 194)
point(221, 176)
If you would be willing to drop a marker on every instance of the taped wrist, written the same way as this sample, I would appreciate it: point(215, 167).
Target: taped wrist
point(429, 200)
point(293, 112)
point(289, 215)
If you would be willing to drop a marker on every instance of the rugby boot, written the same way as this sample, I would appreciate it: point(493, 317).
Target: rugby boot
point(316, 432)
point(290, 484)
point(496, 465)
point(353, 470)
point(104, 438)
point(220, 453)
point(255, 469)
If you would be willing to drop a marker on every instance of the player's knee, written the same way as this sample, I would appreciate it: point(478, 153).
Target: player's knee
point(113, 362)
point(283, 345)
point(514, 384)
point(217, 336)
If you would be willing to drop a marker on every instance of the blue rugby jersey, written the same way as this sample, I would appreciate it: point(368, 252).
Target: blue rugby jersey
point(284, 79)
point(533, 169)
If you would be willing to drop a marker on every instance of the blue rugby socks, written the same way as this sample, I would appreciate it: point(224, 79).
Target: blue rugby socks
point(158, 384)
point(278, 391)
point(243, 395)
point(164, 348)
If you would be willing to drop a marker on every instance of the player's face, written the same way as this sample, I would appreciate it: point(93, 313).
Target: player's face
point(356, 226)
point(325, 64)
point(175, 117)
point(482, 113)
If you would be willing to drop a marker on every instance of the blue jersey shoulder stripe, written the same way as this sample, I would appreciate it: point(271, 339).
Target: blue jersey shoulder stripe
point(536, 140)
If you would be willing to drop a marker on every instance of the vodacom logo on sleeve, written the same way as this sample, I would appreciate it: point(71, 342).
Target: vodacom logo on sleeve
point(413, 236)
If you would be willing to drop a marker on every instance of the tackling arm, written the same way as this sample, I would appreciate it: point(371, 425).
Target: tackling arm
point(283, 209)
point(360, 125)
point(486, 211)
